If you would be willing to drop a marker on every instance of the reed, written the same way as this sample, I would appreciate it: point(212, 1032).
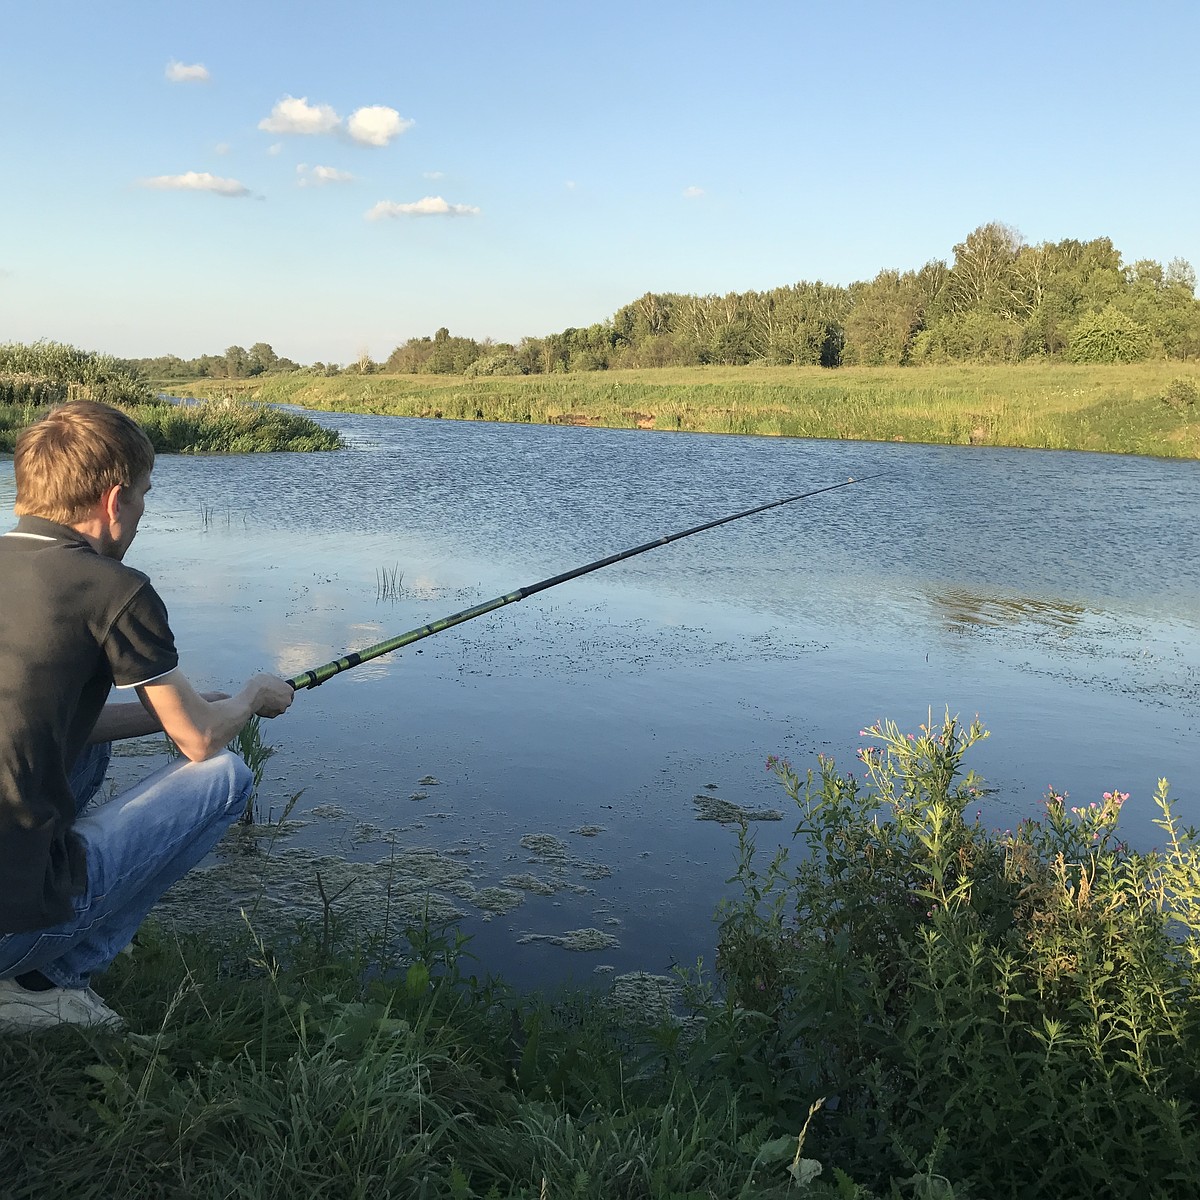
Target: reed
point(34, 377)
point(214, 427)
point(254, 752)
point(79, 373)
point(389, 583)
point(230, 426)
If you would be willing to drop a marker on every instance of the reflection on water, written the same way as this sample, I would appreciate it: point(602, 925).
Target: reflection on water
point(1057, 595)
point(958, 606)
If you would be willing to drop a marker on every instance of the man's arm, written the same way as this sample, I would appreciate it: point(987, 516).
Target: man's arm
point(124, 720)
point(201, 727)
point(131, 719)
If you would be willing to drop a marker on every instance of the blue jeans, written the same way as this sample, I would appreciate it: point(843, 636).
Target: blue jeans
point(138, 844)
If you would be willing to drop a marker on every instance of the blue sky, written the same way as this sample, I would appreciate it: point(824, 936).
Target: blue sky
point(334, 179)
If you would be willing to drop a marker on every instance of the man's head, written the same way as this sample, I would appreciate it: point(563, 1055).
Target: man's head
point(74, 456)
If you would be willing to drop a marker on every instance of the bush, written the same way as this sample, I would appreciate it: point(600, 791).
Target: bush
point(501, 363)
point(1109, 336)
point(1181, 395)
point(1019, 1006)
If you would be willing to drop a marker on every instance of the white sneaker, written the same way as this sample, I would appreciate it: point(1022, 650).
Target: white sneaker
point(22, 1010)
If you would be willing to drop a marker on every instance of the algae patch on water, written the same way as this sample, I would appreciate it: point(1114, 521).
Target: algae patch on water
point(573, 939)
point(499, 900)
point(287, 886)
point(529, 883)
point(712, 808)
point(554, 854)
point(273, 886)
point(329, 812)
point(545, 846)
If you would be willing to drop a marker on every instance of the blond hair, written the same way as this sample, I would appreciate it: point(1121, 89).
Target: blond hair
point(66, 461)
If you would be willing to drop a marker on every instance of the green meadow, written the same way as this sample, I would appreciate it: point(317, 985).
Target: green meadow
point(1143, 408)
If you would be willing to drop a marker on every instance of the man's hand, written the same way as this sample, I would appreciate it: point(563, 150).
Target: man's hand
point(272, 696)
point(201, 726)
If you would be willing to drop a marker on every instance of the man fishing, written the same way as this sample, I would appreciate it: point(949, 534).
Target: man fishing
point(77, 878)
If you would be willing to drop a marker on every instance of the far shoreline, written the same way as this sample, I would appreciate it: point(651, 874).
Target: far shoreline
point(1125, 409)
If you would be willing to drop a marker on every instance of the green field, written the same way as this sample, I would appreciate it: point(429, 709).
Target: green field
point(1144, 408)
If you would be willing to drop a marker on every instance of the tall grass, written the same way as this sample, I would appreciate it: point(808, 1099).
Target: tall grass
point(51, 372)
point(1019, 1007)
point(1109, 408)
point(34, 377)
point(230, 426)
point(277, 1072)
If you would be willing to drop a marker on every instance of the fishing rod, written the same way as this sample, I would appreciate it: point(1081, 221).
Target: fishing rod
point(319, 675)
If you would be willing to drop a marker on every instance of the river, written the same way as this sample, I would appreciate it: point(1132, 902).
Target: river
point(1056, 595)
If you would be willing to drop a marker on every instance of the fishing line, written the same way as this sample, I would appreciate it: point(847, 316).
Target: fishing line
point(319, 675)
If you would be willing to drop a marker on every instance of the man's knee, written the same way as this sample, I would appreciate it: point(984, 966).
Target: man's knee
point(230, 779)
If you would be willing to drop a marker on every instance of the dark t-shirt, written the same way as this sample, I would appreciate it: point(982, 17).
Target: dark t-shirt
point(72, 623)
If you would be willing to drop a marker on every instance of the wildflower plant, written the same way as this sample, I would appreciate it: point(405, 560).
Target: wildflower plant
point(964, 991)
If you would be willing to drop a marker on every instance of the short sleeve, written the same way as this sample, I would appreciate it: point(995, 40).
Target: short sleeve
point(140, 646)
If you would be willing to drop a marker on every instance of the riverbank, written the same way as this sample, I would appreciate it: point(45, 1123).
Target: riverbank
point(1144, 408)
point(221, 426)
point(34, 378)
point(978, 1009)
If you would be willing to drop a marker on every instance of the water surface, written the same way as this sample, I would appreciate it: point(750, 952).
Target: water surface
point(1057, 595)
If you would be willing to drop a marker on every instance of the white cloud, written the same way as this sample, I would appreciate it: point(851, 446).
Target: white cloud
point(376, 125)
point(277, 148)
point(690, 193)
point(316, 176)
point(222, 147)
point(197, 181)
point(433, 174)
point(427, 206)
point(178, 72)
point(296, 115)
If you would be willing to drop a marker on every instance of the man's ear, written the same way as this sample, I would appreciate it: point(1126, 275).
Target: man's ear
point(109, 504)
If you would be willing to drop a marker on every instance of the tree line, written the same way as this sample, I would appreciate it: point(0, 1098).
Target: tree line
point(236, 363)
point(999, 300)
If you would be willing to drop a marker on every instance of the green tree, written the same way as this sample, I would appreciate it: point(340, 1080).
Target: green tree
point(262, 358)
point(885, 317)
point(983, 276)
point(237, 363)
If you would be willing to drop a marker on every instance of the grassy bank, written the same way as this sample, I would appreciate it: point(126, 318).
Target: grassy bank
point(914, 1007)
point(1147, 408)
point(211, 427)
point(35, 377)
